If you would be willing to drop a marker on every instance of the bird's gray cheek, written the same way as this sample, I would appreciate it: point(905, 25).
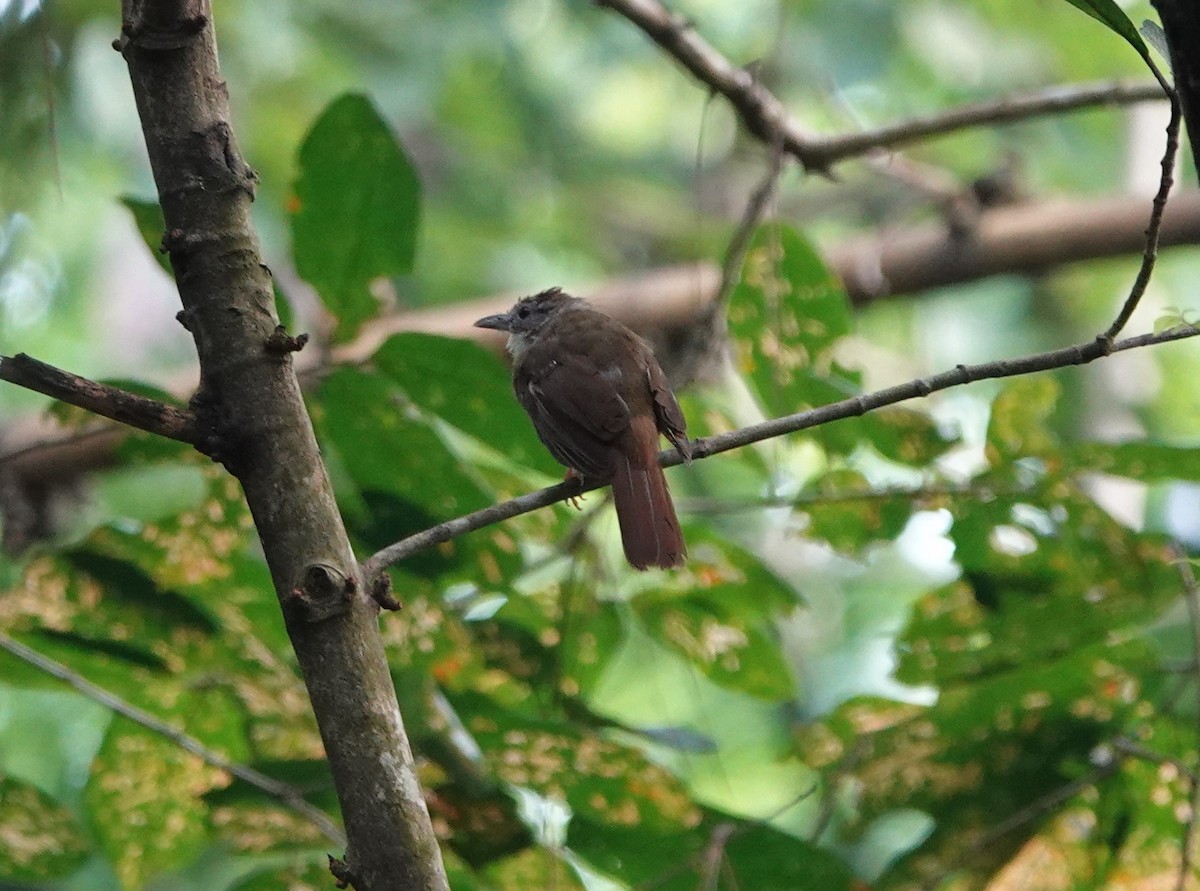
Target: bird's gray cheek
point(612, 374)
point(517, 344)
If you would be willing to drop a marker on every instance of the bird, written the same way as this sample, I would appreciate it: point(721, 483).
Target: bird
point(599, 401)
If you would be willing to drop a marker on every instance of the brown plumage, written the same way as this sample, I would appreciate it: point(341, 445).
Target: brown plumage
point(599, 400)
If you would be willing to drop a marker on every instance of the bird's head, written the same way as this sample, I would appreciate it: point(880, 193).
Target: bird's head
point(530, 313)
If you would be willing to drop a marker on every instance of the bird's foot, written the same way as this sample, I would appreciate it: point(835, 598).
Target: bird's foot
point(573, 475)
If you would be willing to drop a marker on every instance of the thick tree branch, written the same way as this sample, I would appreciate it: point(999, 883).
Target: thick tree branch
point(734, 439)
point(1023, 239)
point(766, 118)
point(101, 399)
point(252, 418)
point(284, 793)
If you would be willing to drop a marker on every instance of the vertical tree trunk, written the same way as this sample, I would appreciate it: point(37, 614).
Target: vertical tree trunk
point(253, 420)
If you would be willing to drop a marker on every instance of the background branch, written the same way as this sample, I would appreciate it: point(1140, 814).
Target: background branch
point(1027, 239)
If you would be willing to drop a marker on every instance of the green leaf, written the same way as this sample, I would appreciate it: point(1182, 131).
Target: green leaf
point(637, 856)
point(733, 652)
point(906, 436)
point(849, 512)
point(1043, 575)
point(356, 208)
point(751, 856)
point(768, 860)
point(406, 477)
point(1110, 14)
point(468, 387)
point(598, 777)
point(127, 583)
point(147, 216)
point(388, 451)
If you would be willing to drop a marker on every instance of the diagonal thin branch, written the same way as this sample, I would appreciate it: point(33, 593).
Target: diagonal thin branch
point(284, 793)
point(101, 399)
point(1080, 354)
point(765, 116)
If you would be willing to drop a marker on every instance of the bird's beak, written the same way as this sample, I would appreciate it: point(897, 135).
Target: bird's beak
point(500, 322)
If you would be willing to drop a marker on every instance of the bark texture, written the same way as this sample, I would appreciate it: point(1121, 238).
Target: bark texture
point(250, 416)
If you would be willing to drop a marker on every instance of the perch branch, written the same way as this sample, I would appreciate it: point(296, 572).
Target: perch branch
point(1080, 354)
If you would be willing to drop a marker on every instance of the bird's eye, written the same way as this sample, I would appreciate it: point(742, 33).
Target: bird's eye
point(523, 312)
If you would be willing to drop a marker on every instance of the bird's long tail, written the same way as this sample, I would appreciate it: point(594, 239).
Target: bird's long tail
point(649, 528)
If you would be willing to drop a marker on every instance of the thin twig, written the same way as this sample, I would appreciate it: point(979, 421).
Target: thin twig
point(1159, 206)
point(916, 494)
point(282, 792)
point(756, 209)
point(1133, 749)
point(1006, 109)
point(765, 117)
point(101, 399)
point(706, 339)
point(1191, 597)
point(724, 442)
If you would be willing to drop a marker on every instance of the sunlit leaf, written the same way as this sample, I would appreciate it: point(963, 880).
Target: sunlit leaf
point(468, 387)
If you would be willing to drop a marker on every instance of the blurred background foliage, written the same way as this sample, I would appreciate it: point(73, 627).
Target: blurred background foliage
point(938, 646)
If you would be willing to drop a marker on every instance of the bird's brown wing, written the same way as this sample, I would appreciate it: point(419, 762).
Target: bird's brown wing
point(577, 414)
point(667, 413)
